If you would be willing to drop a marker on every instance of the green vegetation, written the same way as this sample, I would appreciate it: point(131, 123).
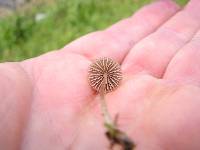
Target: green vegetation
point(22, 37)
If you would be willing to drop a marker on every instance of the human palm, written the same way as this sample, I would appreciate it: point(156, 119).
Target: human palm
point(53, 106)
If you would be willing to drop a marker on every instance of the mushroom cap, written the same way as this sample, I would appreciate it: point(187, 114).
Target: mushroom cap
point(101, 68)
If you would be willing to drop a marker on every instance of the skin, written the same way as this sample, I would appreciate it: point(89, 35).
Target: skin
point(47, 103)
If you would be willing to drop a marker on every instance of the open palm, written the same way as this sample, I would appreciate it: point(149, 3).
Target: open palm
point(47, 103)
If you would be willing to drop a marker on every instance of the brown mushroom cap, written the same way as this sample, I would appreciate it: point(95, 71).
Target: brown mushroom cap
point(105, 67)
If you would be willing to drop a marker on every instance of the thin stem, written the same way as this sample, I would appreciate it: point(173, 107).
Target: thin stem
point(105, 112)
point(113, 133)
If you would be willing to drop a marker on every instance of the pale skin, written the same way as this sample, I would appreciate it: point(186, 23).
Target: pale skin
point(46, 102)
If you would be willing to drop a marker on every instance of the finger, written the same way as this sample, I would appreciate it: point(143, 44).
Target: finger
point(116, 41)
point(153, 54)
point(185, 66)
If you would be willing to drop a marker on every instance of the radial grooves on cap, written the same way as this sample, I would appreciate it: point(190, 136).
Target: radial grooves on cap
point(105, 66)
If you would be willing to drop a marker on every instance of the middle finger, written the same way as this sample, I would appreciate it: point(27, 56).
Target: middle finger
point(153, 53)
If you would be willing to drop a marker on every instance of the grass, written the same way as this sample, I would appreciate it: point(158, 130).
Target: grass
point(22, 37)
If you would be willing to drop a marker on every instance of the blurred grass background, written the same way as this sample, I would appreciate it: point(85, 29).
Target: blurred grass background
point(50, 24)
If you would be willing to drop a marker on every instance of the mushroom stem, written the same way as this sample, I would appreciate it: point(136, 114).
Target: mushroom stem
point(113, 133)
point(104, 108)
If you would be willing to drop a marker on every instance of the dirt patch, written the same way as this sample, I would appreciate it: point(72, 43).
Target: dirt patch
point(8, 7)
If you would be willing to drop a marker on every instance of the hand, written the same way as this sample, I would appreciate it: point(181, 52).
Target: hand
point(47, 103)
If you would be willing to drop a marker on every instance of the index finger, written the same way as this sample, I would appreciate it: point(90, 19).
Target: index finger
point(116, 41)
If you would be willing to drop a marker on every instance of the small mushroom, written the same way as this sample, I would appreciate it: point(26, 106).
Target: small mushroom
point(105, 76)
point(105, 69)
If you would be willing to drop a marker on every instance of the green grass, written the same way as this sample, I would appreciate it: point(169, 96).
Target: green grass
point(21, 37)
